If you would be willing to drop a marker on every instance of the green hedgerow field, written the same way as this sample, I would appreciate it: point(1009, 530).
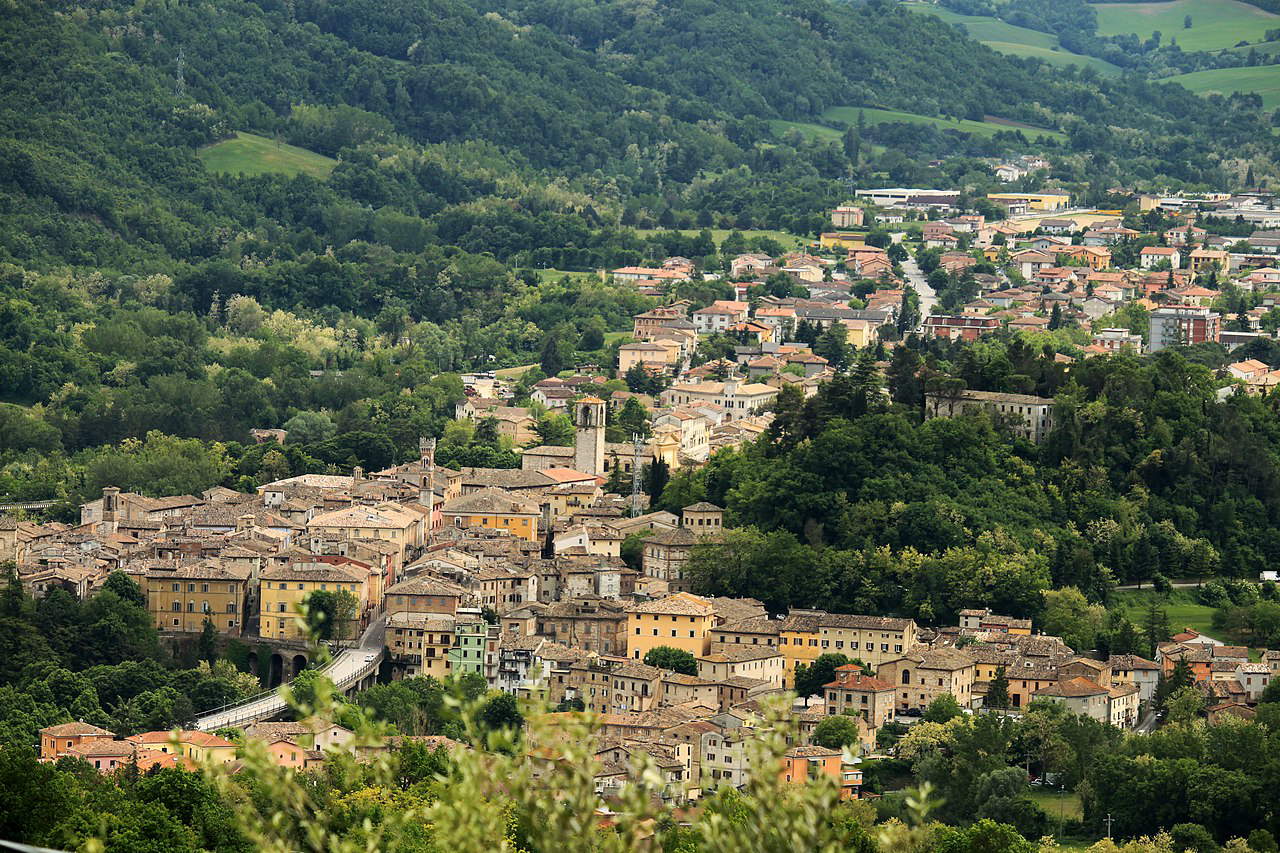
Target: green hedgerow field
point(248, 154)
point(987, 127)
point(1016, 41)
point(1262, 79)
point(1215, 24)
point(1181, 605)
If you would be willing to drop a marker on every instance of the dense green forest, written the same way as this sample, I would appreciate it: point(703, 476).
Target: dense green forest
point(852, 502)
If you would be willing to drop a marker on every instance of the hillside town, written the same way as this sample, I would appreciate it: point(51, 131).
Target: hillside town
point(555, 582)
point(516, 576)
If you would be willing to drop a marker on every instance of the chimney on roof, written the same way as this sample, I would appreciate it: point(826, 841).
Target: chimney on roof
point(244, 522)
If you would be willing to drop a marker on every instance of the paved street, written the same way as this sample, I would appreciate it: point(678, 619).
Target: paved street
point(928, 298)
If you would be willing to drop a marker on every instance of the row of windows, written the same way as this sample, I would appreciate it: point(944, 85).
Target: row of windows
point(871, 647)
point(204, 587)
point(231, 623)
point(484, 521)
point(429, 600)
point(673, 633)
point(338, 587)
point(204, 607)
point(657, 616)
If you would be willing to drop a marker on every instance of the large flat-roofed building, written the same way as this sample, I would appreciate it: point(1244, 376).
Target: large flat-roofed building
point(910, 197)
point(1182, 325)
point(738, 399)
point(1034, 201)
point(1029, 416)
point(965, 327)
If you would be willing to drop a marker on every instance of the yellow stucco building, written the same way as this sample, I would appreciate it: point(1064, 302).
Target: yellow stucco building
point(284, 588)
point(181, 598)
point(681, 621)
point(842, 240)
point(494, 509)
point(197, 746)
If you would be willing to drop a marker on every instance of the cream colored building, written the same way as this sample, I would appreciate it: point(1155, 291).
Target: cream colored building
point(806, 634)
point(1080, 696)
point(738, 399)
point(923, 675)
point(388, 522)
point(762, 663)
point(1122, 705)
point(661, 355)
point(418, 643)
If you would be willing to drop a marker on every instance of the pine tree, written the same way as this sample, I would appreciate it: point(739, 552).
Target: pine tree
point(998, 690)
point(1155, 626)
point(552, 361)
point(656, 477)
point(905, 385)
point(908, 311)
point(207, 647)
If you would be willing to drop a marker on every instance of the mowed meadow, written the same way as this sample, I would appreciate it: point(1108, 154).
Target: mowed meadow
point(1215, 24)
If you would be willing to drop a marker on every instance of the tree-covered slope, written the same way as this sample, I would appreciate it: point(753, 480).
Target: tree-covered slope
point(546, 108)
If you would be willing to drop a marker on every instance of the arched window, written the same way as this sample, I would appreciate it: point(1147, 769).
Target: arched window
point(906, 676)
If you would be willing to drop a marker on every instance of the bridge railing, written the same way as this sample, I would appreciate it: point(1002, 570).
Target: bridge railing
point(273, 707)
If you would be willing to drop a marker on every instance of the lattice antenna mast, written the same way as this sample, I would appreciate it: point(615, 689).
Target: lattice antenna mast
point(180, 85)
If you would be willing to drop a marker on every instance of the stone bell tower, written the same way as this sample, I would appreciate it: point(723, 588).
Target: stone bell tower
point(588, 441)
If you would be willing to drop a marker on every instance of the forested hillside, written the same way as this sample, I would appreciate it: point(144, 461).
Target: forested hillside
point(854, 503)
point(542, 125)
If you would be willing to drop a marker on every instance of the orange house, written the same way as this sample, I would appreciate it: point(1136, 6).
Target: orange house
point(801, 764)
point(57, 741)
point(286, 753)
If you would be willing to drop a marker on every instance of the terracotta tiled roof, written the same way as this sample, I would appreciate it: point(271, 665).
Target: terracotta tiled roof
point(680, 604)
point(1072, 689)
point(75, 729)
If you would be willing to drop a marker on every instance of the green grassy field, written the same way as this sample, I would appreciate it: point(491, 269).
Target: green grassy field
point(1215, 24)
point(812, 131)
point(984, 28)
point(1262, 79)
point(1181, 606)
point(248, 154)
point(981, 128)
point(1015, 41)
point(719, 234)
point(1053, 56)
point(1057, 805)
point(1266, 48)
point(545, 275)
